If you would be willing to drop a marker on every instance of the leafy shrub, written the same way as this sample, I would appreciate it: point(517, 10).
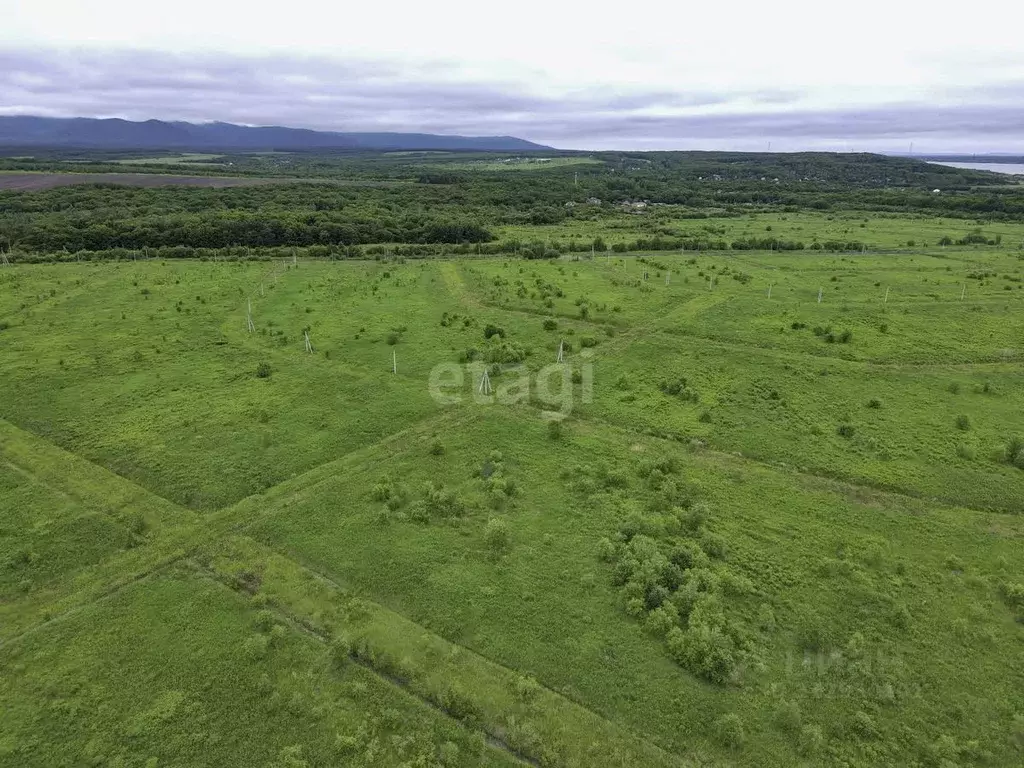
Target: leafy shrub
point(963, 423)
point(606, 550)
point(587, 341)
point(845, 430)
point(381, 491)
point(493, 330)
point(686, 555)
point(863, 725)
point(526, 688)
point(696, 516)
point(812, 740)
point(1012, 593)
point(497, 536)
point(393, 338)
point(418, 512)
point(1015, 452)
point(874, 402)
point(550, 324)
point(714, 545)
point(459, 705)
point(635, 607)
point(264, 619)
point(954, 388)
point(811, 636)
point(255, 648)
point(967, 452)
point(704, 650)
point(437, 448)
point(729, 730)
point(899, 616)
point(442, 502)
point(1017, 732)
point(678, 388)
point(277, 634)
point(662, 619)
point(263, 371)
point(506, 353)
point(341, 650)
point(788, 718)
point(448, 753)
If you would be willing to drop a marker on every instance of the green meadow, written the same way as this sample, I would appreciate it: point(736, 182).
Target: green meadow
point(726, 508)
point(878, 230)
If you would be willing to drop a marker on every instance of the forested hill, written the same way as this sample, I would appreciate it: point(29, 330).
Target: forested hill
point(124, 134)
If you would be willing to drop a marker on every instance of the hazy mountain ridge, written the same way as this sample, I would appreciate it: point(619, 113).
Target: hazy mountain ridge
point(115, 133)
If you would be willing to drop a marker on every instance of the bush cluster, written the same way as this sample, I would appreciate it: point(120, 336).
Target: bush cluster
point(679, 387)
point(1014, 453)
point(831, 337)
point(666, 571)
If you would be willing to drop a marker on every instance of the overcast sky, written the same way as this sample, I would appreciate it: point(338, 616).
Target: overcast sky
point(872, 75)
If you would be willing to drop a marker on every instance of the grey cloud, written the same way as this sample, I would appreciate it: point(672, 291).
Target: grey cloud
point(441, 97)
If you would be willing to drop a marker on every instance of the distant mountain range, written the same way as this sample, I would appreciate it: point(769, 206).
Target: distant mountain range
point(87, 132)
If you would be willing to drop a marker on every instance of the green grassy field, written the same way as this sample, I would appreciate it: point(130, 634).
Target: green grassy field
point(511, 163)
point(728, 529)
point(182, 158)
point(878, 231)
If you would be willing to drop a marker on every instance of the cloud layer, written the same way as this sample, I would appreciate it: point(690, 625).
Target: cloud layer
point(360, 94)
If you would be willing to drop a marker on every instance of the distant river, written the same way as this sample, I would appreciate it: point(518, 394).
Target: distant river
point(1012, 168)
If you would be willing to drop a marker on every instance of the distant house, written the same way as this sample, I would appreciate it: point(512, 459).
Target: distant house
point(634, 206)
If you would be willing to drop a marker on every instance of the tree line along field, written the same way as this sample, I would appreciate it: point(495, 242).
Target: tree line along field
point(539, 205)
point(748, 529)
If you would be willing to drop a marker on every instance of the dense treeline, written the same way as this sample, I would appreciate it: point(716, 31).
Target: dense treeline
point(220, 230)
point(461, 198)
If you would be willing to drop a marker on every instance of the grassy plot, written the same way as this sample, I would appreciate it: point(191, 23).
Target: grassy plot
point(879, 231)
point(516, 713)
point(759, 531)
point(928, 432)
point(494, 542)
point(45, 535)
point(64, 515)
point(103, 359)
point(171, 159)
point(179, 670)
